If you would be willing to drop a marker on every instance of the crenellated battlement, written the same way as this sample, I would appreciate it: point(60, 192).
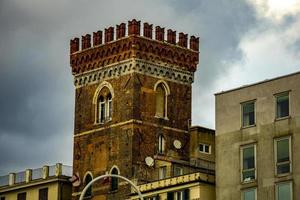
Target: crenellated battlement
point(122, 44)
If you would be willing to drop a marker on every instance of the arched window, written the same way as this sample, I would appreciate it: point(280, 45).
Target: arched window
point(161, 93)
point(88, 178)
point(114, 180)
point(161, 144)
point(103, 102)
point(104, 106)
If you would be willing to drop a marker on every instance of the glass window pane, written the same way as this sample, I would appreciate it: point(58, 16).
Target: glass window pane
point(201, 147)
point(249, 194)
point(249, 175)
point(162, 173)
point(206, 148)
point(283, 150)
point(248, 158)
point(284, 191)
point(283, 168)
point(282, 106)
point(248, 114)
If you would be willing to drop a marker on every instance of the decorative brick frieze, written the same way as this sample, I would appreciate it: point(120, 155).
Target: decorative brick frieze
point(161, 70)
point(133, 46)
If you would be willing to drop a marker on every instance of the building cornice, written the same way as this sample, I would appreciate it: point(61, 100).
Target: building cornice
point(134, 65)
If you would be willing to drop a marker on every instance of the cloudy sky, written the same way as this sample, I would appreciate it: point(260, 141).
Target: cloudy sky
point(241, 42)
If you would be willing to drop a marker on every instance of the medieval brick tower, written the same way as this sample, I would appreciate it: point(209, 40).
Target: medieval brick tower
point(133, 101)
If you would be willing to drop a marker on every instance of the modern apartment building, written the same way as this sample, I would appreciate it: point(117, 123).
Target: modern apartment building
point(257, 141)
point(45, 183)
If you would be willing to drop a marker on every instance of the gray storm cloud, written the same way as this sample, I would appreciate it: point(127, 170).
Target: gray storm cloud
point(37, 93)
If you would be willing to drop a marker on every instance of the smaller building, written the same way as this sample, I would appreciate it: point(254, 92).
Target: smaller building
point(178, 180)
point(46, 183)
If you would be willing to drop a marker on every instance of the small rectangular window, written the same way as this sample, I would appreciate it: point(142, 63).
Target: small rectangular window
point(43, 194)
point(284, 191)
point(205, 148)
point(249, 194)
point(282, 105)
point(162, 172)
point(179, 195)
point(248, 114)
point(21, 196)
point(283, 155)
point(248, 163)
point(178, 171)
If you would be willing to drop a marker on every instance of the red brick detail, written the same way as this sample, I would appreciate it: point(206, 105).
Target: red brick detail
point(194, 43)
point(109, 34)
point(183, 40)
point(121, 30)
point(159, 33)
point(74, 45)
point(130, 47)
point(148, 30)
point(171, 36)
point(86, 41)
point(97, 38)
point(134, 27)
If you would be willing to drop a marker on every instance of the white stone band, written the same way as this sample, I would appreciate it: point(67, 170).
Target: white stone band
point(134, 65)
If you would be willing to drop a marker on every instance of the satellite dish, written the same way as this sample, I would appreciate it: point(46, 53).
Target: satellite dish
point(149, 161)
point(177, 144)
point(75, 180)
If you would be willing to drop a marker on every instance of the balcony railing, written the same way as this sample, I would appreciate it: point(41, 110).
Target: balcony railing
point(36, 174)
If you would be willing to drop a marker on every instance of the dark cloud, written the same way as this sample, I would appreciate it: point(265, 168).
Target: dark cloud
point(37, 93)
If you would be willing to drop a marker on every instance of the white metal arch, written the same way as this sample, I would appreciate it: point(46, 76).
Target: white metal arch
point(110, 175)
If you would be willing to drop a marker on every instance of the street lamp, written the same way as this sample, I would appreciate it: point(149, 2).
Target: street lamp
point(110, 175)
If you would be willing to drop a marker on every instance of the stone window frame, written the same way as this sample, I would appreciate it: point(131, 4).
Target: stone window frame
point(284, 183)
point(108, 103)
point(209, 148)
point(281, 94)
point(242, 113)
point(241, 162)
point(289, 137)
point(112, 187)
point(88, 173)
point(247, 190)
point(167, 93)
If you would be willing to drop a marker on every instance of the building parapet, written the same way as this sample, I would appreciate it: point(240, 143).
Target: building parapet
point(29, 175)
point(174, 181)
point(134, 45)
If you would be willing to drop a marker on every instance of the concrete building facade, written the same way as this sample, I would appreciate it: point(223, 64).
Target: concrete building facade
point(257, 137)
point(46, 183)
point(133, 108)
